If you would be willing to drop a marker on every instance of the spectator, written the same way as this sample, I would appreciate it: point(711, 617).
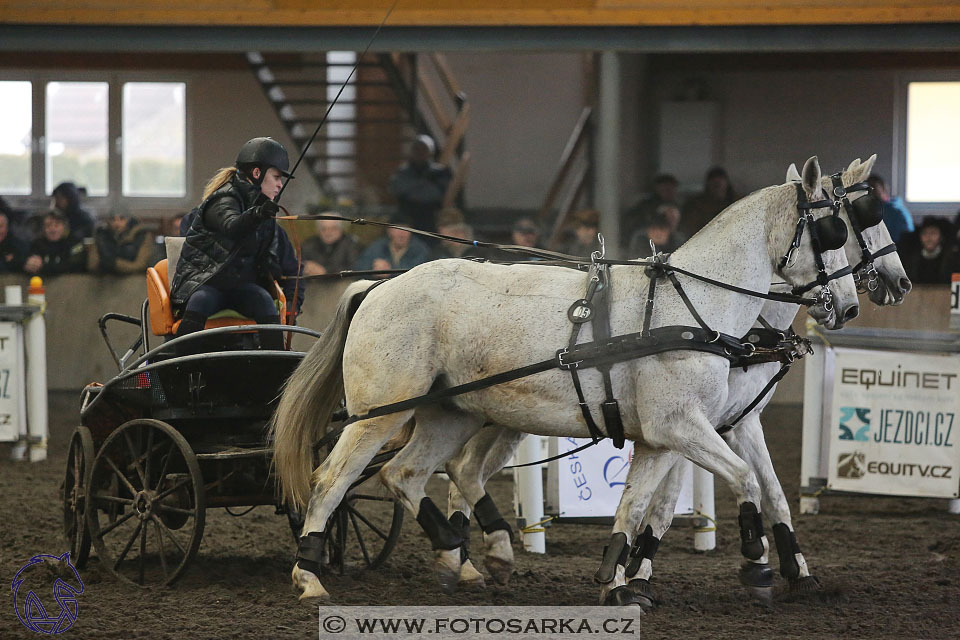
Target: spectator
point(660, 232)
point(66, 199)
point(330, 251)
point(13, 250)
point(420, 185)
point(524, 233)
point(584, 240)
point(931, 262)
point(448, 249)
point(638, 216)
point(120, 246)
point(895, 214)
point(700, 209)
point(55, 251)
point(397, 250)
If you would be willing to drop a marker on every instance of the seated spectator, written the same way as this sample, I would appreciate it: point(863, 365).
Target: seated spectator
point(700, 209)
point(55, 251)
point(448, 249)
point(898, 219)
point(120, 246)
point(524, 233)
point(931, 262)
point(584, 240)
point(331, 251)
point(168, 228)
point(66, 199)
point(420, 185)
point(397, 250)
point(660, 232)
point(13, 250)
point(639, 215)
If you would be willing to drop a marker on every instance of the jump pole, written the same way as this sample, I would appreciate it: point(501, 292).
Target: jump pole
point(530, 494)
point(35, 339)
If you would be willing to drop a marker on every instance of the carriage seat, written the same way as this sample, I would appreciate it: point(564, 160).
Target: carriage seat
point(162, 321)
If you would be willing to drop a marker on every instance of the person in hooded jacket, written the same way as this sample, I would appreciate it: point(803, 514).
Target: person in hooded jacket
point(121, 246)
point(66, 199)
point(234, 250)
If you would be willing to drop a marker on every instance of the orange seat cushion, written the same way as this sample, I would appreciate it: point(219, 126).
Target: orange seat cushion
point(162, 322)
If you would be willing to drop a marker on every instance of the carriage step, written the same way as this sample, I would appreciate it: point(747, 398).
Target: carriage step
point(237, 452)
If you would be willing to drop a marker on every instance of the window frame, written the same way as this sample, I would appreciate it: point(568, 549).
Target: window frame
point(115, 81)
point(899, 177)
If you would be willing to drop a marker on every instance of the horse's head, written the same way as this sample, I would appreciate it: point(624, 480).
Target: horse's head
point(877, 267)
point(815, 260)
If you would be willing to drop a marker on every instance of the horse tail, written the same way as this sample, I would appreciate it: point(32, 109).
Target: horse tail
point(309, 398)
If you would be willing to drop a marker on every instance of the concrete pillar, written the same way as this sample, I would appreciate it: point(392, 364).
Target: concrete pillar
point(606, 176)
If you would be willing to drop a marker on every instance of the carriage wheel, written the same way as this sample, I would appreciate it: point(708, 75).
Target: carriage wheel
point(363, 531)
point(146, 503)
point(74, 495)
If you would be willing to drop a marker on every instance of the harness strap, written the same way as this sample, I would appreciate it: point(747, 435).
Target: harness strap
point(686, 300)
point(766, 389)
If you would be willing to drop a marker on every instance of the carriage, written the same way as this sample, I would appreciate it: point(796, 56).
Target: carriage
point(181, 429)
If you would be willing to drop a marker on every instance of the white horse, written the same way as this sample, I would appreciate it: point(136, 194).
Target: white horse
point(489, 450)
point(451, 322)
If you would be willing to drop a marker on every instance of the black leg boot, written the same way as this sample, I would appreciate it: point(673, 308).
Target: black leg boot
point(191, 323)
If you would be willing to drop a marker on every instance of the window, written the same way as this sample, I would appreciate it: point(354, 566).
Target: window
point(154, 140)
point(116, 137)
point(16, 116)
point(76, 135)
point(932, 140)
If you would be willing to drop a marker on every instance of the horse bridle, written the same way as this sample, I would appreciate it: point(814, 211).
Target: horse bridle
point(864, 212)
point(828, 233)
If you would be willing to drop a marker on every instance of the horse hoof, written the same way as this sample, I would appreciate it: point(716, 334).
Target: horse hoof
point(470, 577)
point(500, 570)
point(758, 579)
point(623, 596)
point(805, 585)
point(308, 585)
point(644, 592)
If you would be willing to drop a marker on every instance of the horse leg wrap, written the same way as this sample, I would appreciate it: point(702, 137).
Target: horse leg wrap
point(645, 547)
point(751, 530)
point(489, 518)
point(461, 524)
point(311, 552)
point(614, 554)
point(442, 534)
point(787, 549)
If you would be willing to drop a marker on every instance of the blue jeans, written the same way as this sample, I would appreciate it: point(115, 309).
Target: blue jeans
point(248, 299)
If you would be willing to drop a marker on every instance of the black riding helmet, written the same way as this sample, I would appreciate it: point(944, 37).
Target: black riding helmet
point(263, 153)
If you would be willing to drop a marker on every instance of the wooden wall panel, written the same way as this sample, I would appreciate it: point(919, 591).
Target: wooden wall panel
point(478, 12)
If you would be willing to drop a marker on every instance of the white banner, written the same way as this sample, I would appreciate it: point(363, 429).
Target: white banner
point(12, 397)
point(591, 481)
point(894, 425)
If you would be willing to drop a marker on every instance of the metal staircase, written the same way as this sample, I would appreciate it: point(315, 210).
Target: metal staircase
point(390, 99)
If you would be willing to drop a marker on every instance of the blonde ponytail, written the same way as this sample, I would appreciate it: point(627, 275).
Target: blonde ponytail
point(220, 178)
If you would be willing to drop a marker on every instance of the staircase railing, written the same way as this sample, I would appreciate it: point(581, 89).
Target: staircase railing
point(572, 179)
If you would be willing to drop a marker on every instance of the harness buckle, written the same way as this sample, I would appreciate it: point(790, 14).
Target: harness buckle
point(566, 365)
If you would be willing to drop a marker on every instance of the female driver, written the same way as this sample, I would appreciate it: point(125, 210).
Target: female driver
point(233, 249)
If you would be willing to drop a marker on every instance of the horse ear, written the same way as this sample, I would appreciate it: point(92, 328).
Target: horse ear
point(862, 172)
point(853, 165)
point(811, 177)
point(792, 174)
